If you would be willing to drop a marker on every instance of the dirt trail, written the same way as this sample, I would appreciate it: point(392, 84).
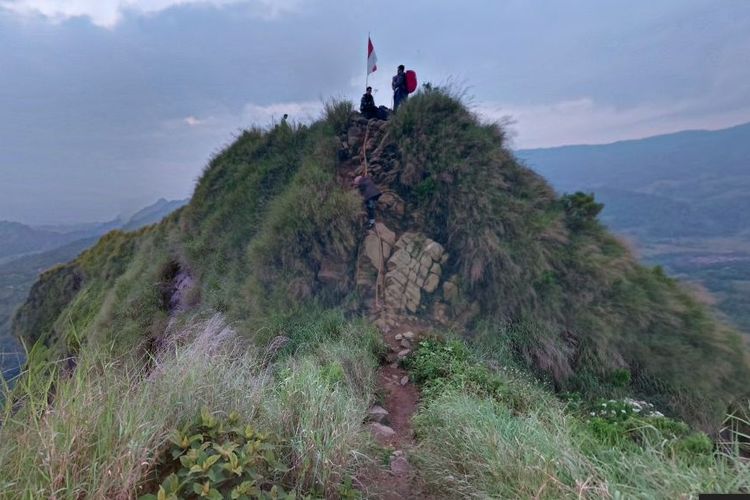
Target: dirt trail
point(394, 432)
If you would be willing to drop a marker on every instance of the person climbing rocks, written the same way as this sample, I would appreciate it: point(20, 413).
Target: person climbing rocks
point(370, 192)
point(400, 93)
point(367, 105)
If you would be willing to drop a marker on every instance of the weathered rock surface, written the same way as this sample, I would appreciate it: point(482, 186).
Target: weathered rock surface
point(382, 431)
point(400, 465)
point(377, 414)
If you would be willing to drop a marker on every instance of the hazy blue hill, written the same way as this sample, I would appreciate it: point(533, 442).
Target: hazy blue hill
point(683, 165)
point(153, 213)
point(706, 172)
point(17, 238)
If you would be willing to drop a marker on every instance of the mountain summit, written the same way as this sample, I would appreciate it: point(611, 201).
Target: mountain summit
point(467, 237)
point(467, 240)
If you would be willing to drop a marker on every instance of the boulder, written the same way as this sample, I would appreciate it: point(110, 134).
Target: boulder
point(400, 466)
point(431, 283)
point(382, 431)
point(409, 335)
point(377, 414)
point(436, 269)
point(450, 292)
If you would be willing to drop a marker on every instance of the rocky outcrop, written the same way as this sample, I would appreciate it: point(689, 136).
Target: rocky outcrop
point(414, 269)
point(398, 274)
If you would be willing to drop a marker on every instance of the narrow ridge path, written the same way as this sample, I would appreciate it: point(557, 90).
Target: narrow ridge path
point(392, 428)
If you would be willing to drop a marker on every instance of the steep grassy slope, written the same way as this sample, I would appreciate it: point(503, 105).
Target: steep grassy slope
point(678, 193)
point(552, 287)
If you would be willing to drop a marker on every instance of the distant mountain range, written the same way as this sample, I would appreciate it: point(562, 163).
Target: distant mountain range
point(688, 184)
point(18, 239)
point(683, 198)
point(39, 248)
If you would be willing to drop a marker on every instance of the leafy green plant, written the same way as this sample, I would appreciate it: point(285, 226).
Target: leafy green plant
point(217, 459)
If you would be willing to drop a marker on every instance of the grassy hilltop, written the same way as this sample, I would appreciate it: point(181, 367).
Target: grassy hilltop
point(559, 305)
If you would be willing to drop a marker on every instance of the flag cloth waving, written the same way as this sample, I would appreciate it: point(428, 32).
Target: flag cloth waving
point(372, 59)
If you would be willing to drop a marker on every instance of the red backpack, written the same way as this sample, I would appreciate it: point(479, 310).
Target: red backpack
point(411, 81)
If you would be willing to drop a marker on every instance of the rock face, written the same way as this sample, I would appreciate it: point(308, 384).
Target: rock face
point(413, 269)
point(403, 276)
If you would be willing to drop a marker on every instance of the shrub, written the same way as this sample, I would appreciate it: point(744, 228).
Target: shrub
point(337, 114)
point(580, 209)
point(441, 366)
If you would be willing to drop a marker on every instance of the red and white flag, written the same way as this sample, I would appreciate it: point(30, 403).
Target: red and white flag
point(372, 59)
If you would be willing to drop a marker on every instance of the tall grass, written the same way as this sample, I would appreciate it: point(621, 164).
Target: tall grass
point(478, 446)
point(101, 433)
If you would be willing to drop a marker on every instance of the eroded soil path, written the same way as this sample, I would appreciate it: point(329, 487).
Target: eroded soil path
point(391, 421)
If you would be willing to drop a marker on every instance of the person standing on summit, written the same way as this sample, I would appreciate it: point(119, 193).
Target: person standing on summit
point(400, 92)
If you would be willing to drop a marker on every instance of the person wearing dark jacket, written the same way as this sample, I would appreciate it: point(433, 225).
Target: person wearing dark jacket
point(400, 93)
point(370, 192)
point(367, 105)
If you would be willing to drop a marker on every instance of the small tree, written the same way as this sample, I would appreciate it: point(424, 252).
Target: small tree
point(580, 209)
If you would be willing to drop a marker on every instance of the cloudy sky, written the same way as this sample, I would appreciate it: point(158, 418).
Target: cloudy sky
point(107, 105)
